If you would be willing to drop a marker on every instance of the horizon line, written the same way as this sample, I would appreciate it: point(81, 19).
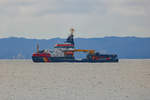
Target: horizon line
point(74, 38)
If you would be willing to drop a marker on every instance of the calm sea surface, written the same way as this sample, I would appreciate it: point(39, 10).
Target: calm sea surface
point(25, 80)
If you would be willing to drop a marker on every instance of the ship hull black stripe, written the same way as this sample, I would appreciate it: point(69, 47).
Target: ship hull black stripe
point(71, 59)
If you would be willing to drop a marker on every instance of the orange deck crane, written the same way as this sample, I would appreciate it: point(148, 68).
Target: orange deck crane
point(84, 50)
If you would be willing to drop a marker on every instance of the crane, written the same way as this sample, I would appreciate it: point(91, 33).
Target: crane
point(84, 50)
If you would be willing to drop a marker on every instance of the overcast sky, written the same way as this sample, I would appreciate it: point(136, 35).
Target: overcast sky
point(91, 18)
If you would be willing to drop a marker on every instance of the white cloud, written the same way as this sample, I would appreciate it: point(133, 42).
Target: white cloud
point(128, 7)
point(93, 17)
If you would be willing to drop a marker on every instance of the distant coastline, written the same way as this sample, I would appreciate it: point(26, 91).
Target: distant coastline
point(125, 47)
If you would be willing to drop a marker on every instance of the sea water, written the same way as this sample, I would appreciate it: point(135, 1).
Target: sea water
point(25, 80)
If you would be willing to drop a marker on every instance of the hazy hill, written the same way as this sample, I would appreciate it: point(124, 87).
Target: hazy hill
point(125, 47)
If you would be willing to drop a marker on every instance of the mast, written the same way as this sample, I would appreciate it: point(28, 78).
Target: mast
point(72, 31)
point(70, 37)
point(37, 48)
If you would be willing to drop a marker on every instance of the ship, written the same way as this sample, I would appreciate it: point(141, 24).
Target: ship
point(64, 52)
